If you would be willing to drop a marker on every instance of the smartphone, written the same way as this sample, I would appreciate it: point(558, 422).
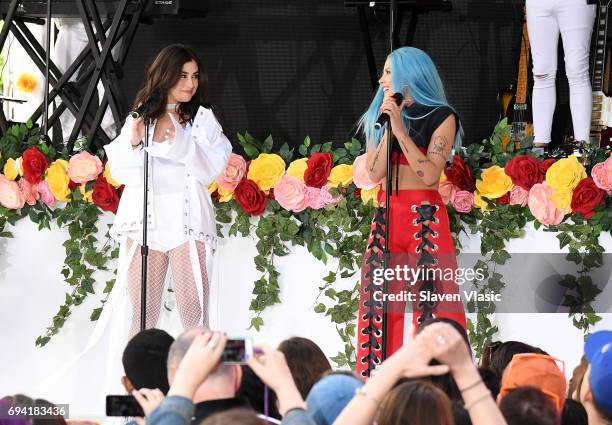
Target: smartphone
point(123, 405)
point(237, 351)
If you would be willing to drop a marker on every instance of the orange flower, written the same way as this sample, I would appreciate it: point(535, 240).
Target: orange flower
point(27, 82)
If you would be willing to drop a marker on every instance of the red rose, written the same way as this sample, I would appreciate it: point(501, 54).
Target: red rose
point(525, 171)
point(357, 193)
point(215, 195)
point(250, 198)
point(503, 200)
point(460, 174)
point(34, 165)
point(586, 197)
point(319, 168)
point(545, 165)
point(72, 185)
point(105, 196)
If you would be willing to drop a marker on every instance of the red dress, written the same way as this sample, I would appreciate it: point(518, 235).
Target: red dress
point(422, 255)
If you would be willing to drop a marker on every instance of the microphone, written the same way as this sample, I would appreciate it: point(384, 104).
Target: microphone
point(144, 107)
point(384, 117)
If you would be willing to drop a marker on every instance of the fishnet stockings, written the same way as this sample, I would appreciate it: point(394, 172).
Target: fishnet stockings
point(184, 285)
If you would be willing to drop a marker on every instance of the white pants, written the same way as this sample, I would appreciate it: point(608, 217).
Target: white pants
point(574, 20)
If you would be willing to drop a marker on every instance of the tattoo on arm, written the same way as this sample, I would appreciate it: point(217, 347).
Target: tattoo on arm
point(420, 173)
point(422, 161)
point(439, 145)
point(375, 161)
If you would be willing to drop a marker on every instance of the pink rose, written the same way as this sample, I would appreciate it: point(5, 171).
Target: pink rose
point(328, 198)
point(602, 175)
point(542, 206)
point(360, 174)
point(463, 201)
point(447, 190)
point(84, 167)
point(290, 193)
point(45, 193)
point(10, 195)
point(29, 192)
point(233, 173)
point(314, 198)
point(519, 196)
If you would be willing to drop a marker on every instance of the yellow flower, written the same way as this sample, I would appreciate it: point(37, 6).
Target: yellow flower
point(565, 174)
point(212, 187)
point(367, 194)
point(443, 177)
point(563, 200)
point(266, 170)
point(58, 180)
point(11, 169)
point(26, 82)
point(494, 183)
point(107, 175)
point(297, 168)
point(480, 203)
point(87, 195)
point(341, 175)
point(225, 195)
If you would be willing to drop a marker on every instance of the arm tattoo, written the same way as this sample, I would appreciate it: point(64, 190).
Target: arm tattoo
point(375, 161)
point(440, 144)
point(420, 173)
point(422, 161)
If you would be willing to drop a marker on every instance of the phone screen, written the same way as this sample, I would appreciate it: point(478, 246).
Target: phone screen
point(236, 351)
point(123, 405)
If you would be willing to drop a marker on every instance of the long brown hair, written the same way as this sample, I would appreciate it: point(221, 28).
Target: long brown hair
point(163, 74)
point(306, 361)
point(423, 403)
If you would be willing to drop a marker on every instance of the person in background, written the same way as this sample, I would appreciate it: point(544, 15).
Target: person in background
point(144, 361)
point(306, 362)
point(596, 389)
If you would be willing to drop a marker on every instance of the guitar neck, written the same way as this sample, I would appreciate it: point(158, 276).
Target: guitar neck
point(599, 57)
point(521, 83)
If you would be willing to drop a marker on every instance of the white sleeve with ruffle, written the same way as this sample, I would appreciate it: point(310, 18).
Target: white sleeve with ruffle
point(125, 162)
point(205, 152)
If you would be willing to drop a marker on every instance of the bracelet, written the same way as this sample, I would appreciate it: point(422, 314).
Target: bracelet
point(360, 391)
point(469, 387)
point(139, 145)
point(292, 409)
point(478, 399)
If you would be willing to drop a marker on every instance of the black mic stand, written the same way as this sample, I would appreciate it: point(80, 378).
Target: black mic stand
point(45, 124)
point(386, 253)
point(144, 249)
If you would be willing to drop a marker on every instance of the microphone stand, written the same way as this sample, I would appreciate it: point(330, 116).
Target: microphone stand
point(144, 249)
point(386, 253)
point(45, 116)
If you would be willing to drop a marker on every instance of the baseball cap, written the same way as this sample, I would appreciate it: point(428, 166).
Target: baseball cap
point(536, 370)
point(598, 351)
point(329, 397)
point(144, 359)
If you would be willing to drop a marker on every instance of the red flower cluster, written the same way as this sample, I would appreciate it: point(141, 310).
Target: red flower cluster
point(105, 195)
point(526, 171)
point(34, 165)
point(460, 174)
point(586, 197)
point(319, 168)
point(250, 198)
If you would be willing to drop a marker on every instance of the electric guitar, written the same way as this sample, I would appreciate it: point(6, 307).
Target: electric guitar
point(601, 117)
point(521, 122)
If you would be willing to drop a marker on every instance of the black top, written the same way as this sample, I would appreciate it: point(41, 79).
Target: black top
point(420, 130)
point(208, 408)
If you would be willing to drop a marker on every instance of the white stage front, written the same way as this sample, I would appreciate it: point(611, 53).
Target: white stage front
point(32, 289)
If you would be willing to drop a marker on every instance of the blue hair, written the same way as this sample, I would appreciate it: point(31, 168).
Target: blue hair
point(411, 69)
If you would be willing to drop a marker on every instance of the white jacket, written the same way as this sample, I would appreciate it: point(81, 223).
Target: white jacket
point(204, 151)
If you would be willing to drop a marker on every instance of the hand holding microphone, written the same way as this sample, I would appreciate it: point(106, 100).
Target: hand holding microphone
point(383, 118)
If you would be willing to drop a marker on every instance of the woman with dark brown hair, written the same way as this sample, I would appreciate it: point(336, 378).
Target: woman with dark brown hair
point(422, 403)
point(306, 362)
point(187, 151)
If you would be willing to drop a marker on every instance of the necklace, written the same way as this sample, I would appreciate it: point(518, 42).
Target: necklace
point(171, 105)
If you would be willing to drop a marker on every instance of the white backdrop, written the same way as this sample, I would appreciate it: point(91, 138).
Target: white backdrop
point(32, 289)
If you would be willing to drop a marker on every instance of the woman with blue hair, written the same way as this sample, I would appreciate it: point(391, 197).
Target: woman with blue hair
point(422, 266)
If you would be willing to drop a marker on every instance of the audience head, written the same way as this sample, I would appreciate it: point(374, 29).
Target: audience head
point(535, 370)
point(451, 322)
point(504, 353)
point(596, 389)
point(222, 382)
point(491, 380)
point(574, 413)
point(575, 382)
point(25, 401)
point(422, 402)
point(529, 406)
point(306, 362)
point(144, 361)
point(252, 389)
point(460, 415)
point(487, 354)
point(330, 395)
point(234, 417)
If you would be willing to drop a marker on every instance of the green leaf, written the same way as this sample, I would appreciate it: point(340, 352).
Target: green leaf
point(267, 144)
point(251, 151)
point(320, 308)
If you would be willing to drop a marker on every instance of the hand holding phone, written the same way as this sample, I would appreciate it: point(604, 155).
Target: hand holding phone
point(237, 351)
point(123, 405)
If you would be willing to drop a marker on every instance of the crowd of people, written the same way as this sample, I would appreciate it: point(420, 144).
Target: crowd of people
point(433, 379)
